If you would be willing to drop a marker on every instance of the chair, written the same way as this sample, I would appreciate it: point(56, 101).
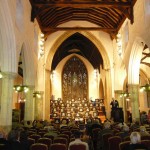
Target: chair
point(145, 137)
point(38, 146)
point(31, 141)
point(50, 137)
point(136, 129)
point(73, 130)
point(123, 145)
point(82, 126)
point(35, 137)
point(45, 141)
point(146, 143)
point(77, 147)
point(33, 130)
point(64, 136)
point(2, 146)
point(58, 146)
point(72, 139)
point(95, 133)
point(116, 131)
point(114, 142)
point(30, 133)
point(63, 130)
point(67, 133)
point(61, 140)
point(41, 133)
point(119, 133)
point(127, 138)
point(105, 138)
point(95, 137)
point(42, 130)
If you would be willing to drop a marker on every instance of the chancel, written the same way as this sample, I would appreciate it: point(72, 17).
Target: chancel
point(66, 60)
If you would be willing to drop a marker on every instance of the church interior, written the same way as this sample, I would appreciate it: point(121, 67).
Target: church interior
point(69, 59)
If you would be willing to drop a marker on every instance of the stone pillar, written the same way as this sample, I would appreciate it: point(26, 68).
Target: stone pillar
point(6, 101)
point(29, 104)
point(134, 97)
point(38, 98)
point(108, 94)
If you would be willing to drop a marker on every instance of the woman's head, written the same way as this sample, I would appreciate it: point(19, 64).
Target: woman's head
point(142, 128)
point(125, 128)
point(135, 137)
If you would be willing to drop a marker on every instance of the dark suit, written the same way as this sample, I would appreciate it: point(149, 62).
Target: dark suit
point(114, 104)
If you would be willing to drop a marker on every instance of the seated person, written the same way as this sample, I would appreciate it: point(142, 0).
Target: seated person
point(121, 124)
point(13, 140)
point(135, 124)
point(125, 132)
point(135, 139)
point(63, 124)
point(2, 137)
point(106, 130)
point(143, 131)
point(77, 140)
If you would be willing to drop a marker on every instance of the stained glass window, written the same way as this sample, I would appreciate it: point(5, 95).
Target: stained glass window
point(74, 80)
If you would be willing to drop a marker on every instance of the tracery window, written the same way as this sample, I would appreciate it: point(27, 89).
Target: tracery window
point(74, 79)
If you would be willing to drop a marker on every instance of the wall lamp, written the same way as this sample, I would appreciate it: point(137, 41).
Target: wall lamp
point(145, 88)
point(21, 88)
point(125, 94)
point(1, 75)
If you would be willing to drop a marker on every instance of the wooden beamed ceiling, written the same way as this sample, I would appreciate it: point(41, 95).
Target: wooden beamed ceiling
point(108, 15)
point(146, 56)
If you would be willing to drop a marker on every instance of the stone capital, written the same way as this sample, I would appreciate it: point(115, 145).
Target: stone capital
point(10, 75)
point(39, 92)
point(118, 91)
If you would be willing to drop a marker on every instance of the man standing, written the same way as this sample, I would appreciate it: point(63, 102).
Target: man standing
point(114, 103)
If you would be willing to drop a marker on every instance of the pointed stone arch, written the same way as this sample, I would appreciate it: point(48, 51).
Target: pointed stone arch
point(28, 64)
point(88, 35)
point(134, 61)
point(106, 66)
point(133, 76)
point(7, 43)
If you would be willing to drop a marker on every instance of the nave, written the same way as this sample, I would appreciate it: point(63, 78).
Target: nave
point(71, 135)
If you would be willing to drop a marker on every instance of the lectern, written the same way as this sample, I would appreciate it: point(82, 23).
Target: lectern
point(117, 114)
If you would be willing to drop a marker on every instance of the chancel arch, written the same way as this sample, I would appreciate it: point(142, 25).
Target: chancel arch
point(54, 48)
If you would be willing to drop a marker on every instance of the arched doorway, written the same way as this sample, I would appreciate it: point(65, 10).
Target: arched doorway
point(74, 79)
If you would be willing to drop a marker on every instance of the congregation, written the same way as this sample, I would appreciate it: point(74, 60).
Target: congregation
point(72, 135)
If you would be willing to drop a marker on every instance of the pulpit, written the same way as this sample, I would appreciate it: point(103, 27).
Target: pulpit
point(117, 114)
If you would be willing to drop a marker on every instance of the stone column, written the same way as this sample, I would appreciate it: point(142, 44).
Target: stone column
point(6, 101)
point(38, 98)
point(29, 104)
point(134, 96)
point(108, 93)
